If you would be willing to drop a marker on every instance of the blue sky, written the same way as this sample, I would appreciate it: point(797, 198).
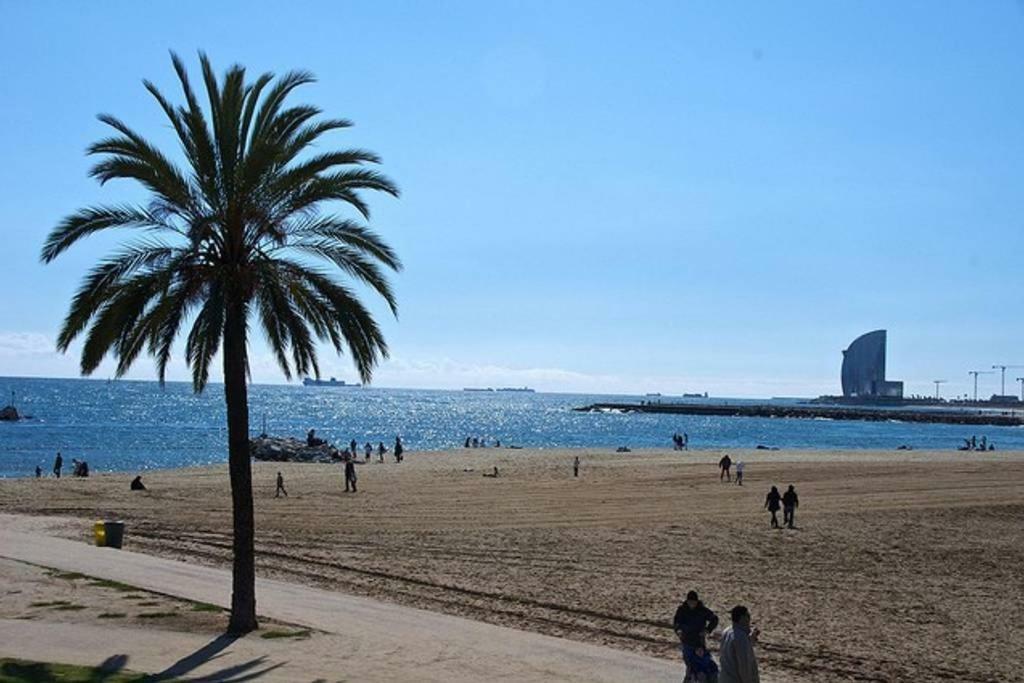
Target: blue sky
point(596, 197)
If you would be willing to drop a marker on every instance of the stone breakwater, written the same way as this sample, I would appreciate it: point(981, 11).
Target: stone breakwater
point(274, 449)
point(964, 417)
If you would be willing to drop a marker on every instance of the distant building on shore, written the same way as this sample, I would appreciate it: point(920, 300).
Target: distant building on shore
point(863, 372)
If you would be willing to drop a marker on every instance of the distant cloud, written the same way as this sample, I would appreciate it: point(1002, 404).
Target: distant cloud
point(26, 343)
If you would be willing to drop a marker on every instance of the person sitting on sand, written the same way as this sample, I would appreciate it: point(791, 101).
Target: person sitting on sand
point(771, 503)
point(739, 472)
point(137, 484)
point(280, 487)
point(724, 464)
point(790, 502)
point(692, 623)
point(494, 475)
point(736, 652)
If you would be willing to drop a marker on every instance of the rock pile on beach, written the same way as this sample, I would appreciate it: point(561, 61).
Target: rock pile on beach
point(290, 450)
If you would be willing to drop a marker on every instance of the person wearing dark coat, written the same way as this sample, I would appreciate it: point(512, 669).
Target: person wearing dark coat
point(772, 505)
point(724, 464)
point(58, 464)
point(137, 484)
point(692, 623)
point(350, 475)
point(790, 502)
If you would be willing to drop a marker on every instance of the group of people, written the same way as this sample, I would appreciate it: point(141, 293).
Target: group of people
point(79, 468)
point(479, 442)
point(351, 452)
point(788, 501)
point(693, 622)
point(972, 444)
point(680, 442)
point(725, 470)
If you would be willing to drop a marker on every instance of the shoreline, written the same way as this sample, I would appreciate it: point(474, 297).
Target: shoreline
point(752, 454)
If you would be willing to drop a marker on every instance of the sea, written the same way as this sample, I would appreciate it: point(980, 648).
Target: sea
point(132, 426)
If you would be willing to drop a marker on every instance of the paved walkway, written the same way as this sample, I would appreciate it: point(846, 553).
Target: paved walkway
point(364, 639)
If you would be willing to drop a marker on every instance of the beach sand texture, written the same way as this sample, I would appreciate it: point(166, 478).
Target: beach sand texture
point(905, 566)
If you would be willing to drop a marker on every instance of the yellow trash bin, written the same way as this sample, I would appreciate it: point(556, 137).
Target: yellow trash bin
point(99, 530)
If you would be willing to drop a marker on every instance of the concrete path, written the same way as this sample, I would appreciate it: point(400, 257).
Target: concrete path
point(364, 639)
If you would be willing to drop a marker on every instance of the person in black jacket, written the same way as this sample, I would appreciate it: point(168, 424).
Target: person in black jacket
point(771, 503)
point(790, 502)
point(350, 474)
point(692, 623)
point(724, 464)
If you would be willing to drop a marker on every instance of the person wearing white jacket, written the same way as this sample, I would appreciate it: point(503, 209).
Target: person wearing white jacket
point(736, 657)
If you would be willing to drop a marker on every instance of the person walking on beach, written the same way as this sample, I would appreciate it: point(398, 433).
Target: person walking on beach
point(58, 464)
point(692, 623)
point(576, 466)
point(381, 450)
point(771, 504)
point(739, 472)
point(280, 487)
point(398, 449)
point(39, 472)
point(790, 502)
point(736, 656)
point(367, 451)
point(350, 475)
point(724, 464)
point(686, 441)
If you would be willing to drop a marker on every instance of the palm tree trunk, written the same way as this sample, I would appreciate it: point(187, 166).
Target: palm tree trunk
point(243, 589)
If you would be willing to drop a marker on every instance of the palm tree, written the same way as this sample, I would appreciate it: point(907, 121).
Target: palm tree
point(240, 231)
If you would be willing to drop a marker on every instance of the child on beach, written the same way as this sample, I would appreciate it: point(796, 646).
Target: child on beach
point(700, 666)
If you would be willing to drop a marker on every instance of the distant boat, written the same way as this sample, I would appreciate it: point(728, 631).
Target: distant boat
point(704, 395)
point(332, 382)
point(477, 389)
point(654, 394)
point(526, 390)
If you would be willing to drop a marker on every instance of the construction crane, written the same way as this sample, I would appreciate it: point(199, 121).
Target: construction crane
point(937, 382)
point(1021, 380)
point(975, 374)
point(1002, 384)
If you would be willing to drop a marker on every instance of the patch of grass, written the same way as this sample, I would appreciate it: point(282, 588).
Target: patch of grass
point(69, 608)
point(70, 576)
point(149, 603)
point(281, 633)
point(111, 615)
point(113, 585)
point(52, 603)
point(19, 670)
point(157, 615)
point(205, 607)
point(134, 596)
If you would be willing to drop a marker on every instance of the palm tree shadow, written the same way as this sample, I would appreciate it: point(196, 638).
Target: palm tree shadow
point(238, 673)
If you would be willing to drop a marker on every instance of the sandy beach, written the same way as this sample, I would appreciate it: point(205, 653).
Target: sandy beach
point(900, 570)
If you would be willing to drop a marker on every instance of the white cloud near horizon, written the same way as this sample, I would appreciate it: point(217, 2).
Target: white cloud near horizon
point(34, 354)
